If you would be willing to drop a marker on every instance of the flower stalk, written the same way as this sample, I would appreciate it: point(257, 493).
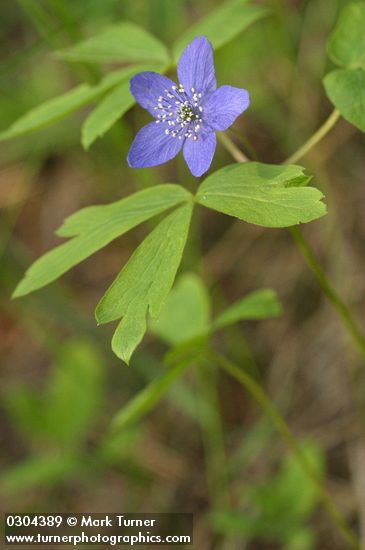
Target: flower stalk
point(315, 138)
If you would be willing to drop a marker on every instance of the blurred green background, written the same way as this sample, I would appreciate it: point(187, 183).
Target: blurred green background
point(206, 448)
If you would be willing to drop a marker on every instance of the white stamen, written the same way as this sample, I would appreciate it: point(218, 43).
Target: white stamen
point(182, 112)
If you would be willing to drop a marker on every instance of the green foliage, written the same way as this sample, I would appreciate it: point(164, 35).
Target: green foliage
point(346, 89)
point(186, 313)
point(263, 194)
point(272, 196)
point(94, 227)
point(145, 281)
point(346, 47)
point(222, 25)
point(108, 111)
point(126, 42)
point(59, 107)
point(257, 305)
point(123, 42)
point(184, 318)
point(278, 510)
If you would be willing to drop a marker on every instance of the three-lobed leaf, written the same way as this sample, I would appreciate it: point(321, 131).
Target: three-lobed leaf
point(122, 42)
point(94, 227)
point(263, 194)
point(222, 25)
point(144, 283)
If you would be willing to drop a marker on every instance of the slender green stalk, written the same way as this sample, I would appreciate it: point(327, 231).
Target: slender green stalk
point(232, 148)
point(342, 309)
point(246, 143)
point(315, 138)
point(148, 398)
point(280, 424)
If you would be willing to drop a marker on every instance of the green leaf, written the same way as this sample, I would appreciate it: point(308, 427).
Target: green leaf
point(186, 313)
point(75, 392)
point(144, 282)
point(222, 25)
point(346, 45)
point(346, 89)
point(96, 226)
point(148, 398)
point(123, 42)
point(109, 110)
point(263, 194)
point(257, 305)
point(59, 107)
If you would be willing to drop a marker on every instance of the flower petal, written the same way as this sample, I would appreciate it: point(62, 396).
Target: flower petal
point(199, 154)
point(147, 87)
point(224, 105)
point(195, 68)
point(152, 146)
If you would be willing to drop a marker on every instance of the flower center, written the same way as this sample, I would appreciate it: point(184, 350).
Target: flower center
point(180, 112)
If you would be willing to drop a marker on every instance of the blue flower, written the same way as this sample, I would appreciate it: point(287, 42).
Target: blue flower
point(188, 115)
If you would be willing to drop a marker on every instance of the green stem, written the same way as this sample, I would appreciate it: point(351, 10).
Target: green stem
point(315, 138)
point(341, 308)
point(280, 424)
